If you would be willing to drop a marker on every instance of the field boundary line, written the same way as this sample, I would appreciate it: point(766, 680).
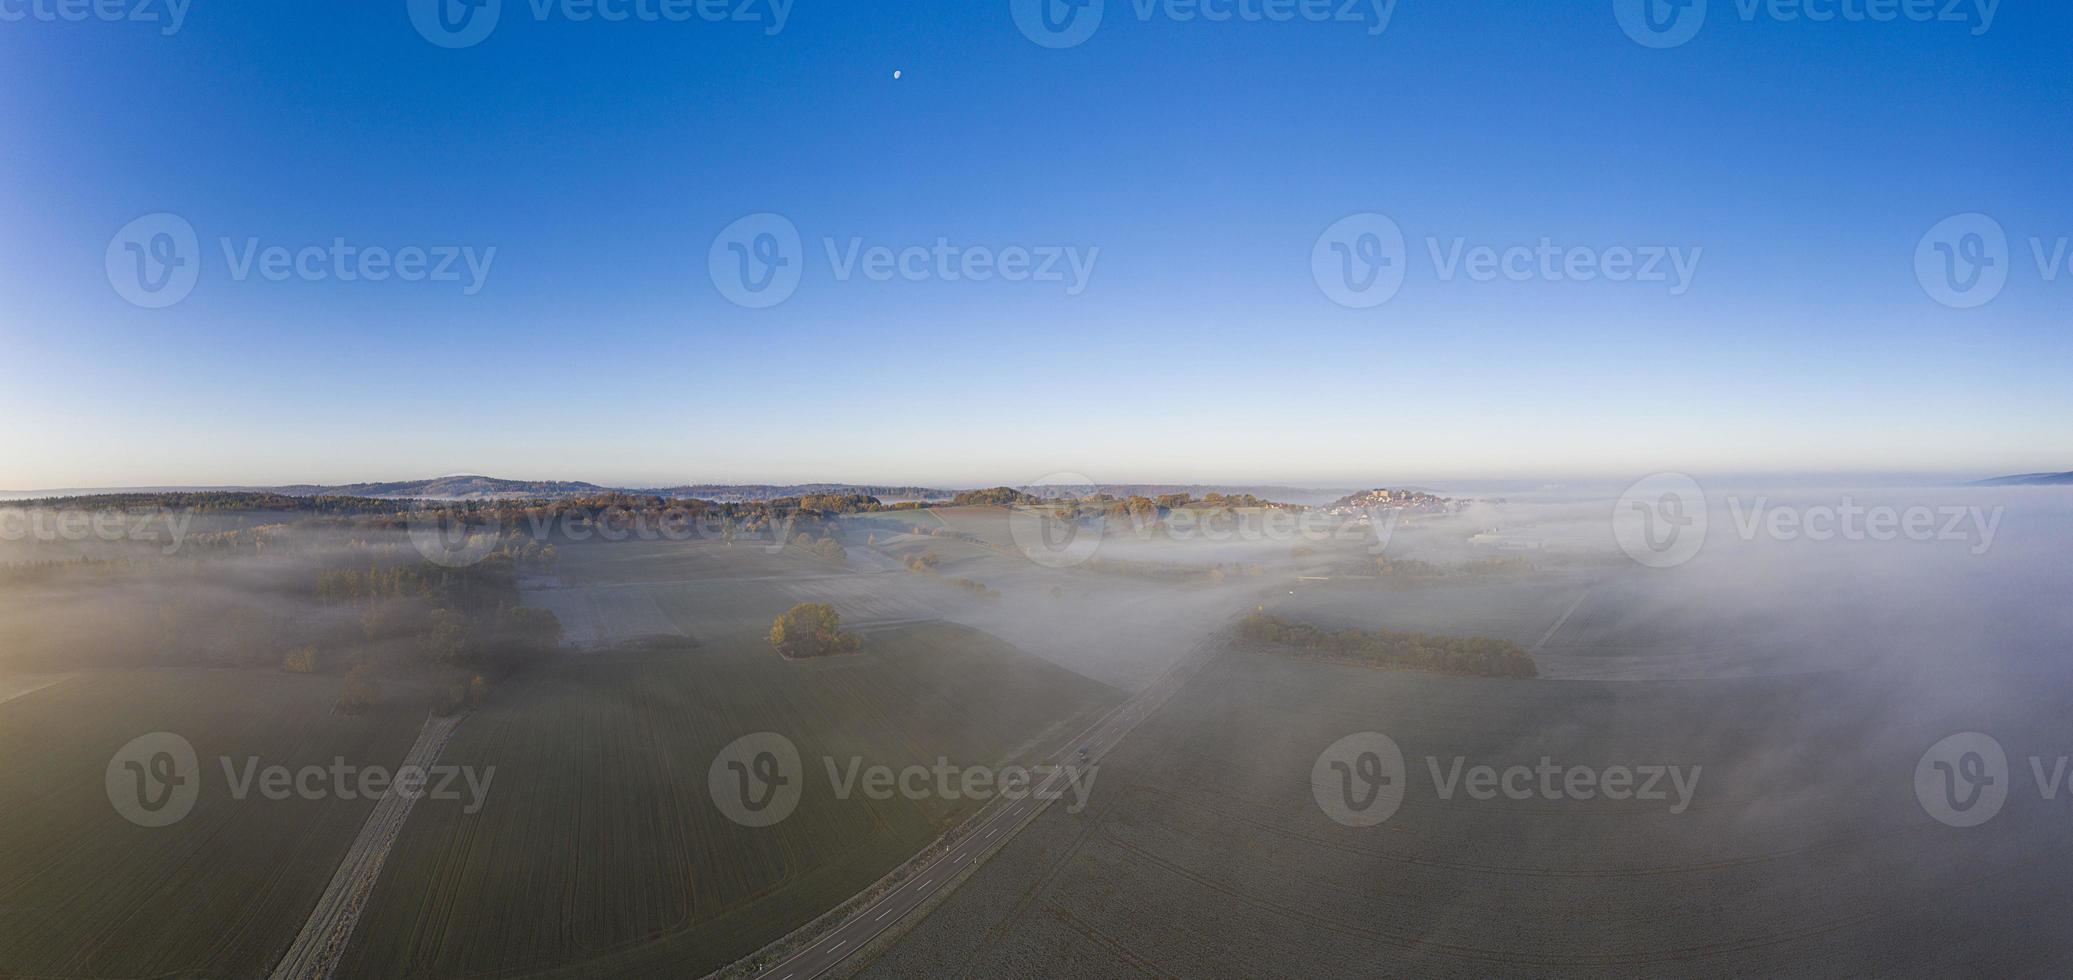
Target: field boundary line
point(1559, 623)
point(803, 941)
point(321, 944)
point(1152, 698)
point(752, 964)
point(45, 686)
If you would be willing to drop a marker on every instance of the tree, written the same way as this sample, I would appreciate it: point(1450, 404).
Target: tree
point(529, 627)
point(993, 497)
point(812, 629)
point(302, 660)
point(446, 642)
point(360, 691)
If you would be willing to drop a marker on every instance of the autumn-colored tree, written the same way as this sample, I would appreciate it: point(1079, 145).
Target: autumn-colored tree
point(360, 691)
point(812, 629)
point(302, 660)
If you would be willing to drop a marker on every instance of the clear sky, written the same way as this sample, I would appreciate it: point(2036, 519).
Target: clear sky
point(1801, 161)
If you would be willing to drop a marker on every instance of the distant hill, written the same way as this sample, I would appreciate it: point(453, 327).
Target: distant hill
point(491, 488)
point(474, 487)
point(1278, 494)
point(448, 488)
point(994, 497)
point(1385, 497)
point(740, 492)
point(2029, 480)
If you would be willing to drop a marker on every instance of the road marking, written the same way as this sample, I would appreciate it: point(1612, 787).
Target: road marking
point(838, 945)
point(882, 915)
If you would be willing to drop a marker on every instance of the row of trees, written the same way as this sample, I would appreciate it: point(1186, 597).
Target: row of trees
point(1402, 572)
point(460, 627)
point(825, 547)
point(994, 497)
point(1479, 656)
point(929, 563)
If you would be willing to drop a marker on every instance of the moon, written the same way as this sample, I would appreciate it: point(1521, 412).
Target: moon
point(896, 73)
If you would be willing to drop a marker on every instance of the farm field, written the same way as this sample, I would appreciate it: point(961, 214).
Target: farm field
point(1802, 852)
point(1114, 629)
point(601, 853)
point(1520, 611)
point(222, 892)
point(988, 523)
point(607, 594)
point(1118, 629)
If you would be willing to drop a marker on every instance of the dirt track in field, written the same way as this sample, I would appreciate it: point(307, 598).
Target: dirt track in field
point(322, 941)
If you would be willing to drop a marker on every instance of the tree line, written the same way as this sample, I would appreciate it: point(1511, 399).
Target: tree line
point(1478, 656)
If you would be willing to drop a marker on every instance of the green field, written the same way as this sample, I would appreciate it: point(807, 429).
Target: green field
point(1206, 851)
point(85, 893)
point(601, 853)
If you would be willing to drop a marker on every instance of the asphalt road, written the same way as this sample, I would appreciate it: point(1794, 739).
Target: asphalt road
point(865, 925)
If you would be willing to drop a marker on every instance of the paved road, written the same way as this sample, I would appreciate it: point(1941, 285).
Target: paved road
point(1098, 738)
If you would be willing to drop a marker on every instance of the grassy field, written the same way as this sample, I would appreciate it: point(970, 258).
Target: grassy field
point(1205, 854)
point(85, 893)
point(601, 853)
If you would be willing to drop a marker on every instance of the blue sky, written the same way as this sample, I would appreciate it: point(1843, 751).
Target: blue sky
point(1802, 161)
